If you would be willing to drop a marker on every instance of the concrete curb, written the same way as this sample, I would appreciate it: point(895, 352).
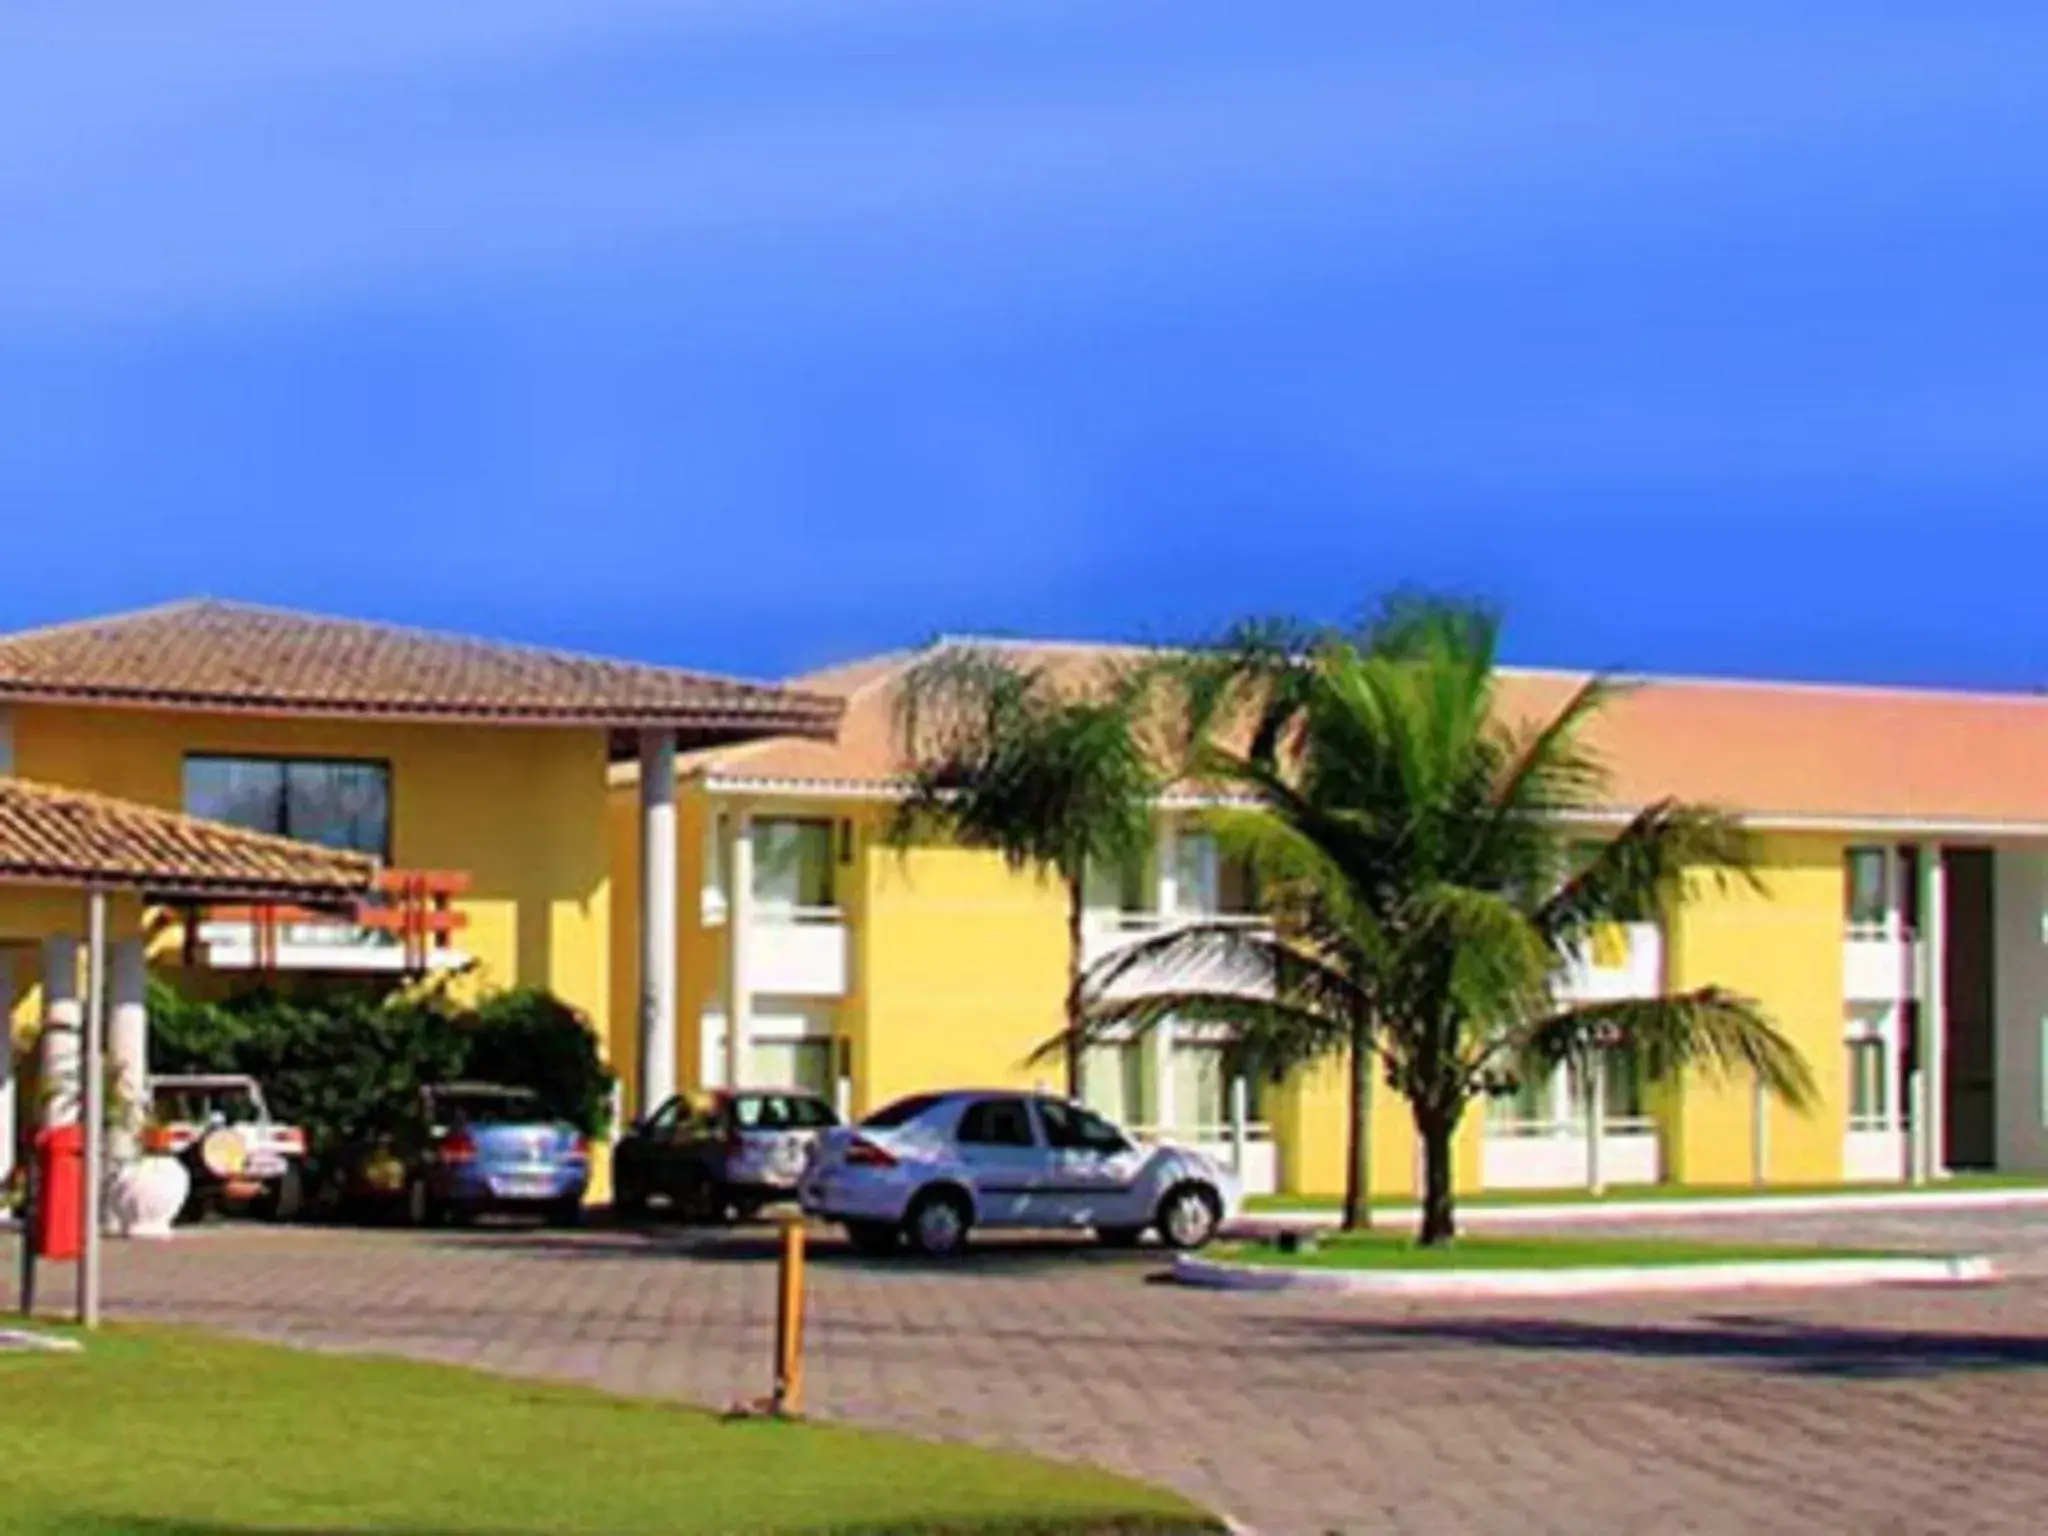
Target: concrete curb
point(1679, 1210)
point(18, 1338)
point(1776, 1274)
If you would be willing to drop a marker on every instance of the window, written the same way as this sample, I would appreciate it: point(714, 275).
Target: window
point(1074, 1129)
point(665, 1119)
point(996, 1123)
point(793, 863)
point(1869, 1052)
point(1867, 886)
point(902, 1112)
point(1113, 1080)
point(332, 803)
point(793, 1064)
point(1202, 1073)
point(1869, 1107)
point(1531, 1108)
point(1208, 881)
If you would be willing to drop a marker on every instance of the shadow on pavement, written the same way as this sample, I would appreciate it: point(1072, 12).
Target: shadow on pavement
point(1780, 1344)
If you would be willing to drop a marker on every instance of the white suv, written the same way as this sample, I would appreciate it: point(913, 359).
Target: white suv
point(929, 1168)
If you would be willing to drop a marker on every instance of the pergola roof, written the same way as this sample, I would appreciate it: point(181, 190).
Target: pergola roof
point(237, 657)
point(53, 836)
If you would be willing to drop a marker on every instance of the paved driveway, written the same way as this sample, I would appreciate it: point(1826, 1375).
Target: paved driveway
point(1891, 1411)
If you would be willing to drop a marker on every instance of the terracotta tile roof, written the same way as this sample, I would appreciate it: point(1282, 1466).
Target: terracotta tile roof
point(216, 655)
point(50, 835)
point(1783, 751)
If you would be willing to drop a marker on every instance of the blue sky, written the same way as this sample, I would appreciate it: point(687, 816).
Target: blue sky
point(757, 333)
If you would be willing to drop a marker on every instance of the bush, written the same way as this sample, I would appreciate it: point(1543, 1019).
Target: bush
point(345, 1061)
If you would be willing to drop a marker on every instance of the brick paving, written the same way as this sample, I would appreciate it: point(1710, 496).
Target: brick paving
point(1869, 1411)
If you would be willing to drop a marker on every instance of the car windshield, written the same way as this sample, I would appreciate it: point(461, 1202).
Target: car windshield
point(488, 1107)
point(900, 1113)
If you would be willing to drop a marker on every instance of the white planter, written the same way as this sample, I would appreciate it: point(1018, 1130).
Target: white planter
point(146, 1195)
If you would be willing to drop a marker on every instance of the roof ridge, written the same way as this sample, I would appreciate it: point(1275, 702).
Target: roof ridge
point(897, 663)
point(1779, 684)
point(65, 626)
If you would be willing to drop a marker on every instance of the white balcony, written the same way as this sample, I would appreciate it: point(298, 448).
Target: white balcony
point(798, 951)
point(236, 945)
point(1877, 967)
point(1625, 960)
point(1873, 1156)
point(1553, 1156)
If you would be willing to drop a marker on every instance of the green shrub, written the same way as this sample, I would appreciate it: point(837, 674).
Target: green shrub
point(346, 1060)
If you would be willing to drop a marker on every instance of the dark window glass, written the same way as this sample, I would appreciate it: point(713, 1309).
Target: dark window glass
point(485, 1106)
point(334, 804)
point(1868, 898)
point(664, 1119)
point(811, 1114)
point(996, 1123)
point(902, 1112)
point(1073, 1128)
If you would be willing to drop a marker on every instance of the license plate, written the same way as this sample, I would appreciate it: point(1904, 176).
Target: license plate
point(524, 1188)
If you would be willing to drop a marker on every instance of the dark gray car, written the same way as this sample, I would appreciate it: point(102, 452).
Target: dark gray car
point(720, 1156)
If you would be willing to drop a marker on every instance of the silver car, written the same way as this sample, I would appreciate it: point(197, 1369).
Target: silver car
point(930, 1168)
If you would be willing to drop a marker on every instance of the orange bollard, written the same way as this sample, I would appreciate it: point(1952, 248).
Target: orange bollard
point(788, 1401)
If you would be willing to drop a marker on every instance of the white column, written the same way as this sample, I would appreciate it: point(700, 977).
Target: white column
point(1933, 1043)
point(1595, 1088)
point(739, 923)
point(1240, 1110)
point(1166, 900)
point(10, 1124)
point(128, 1046)
point(93, 1097)
point(62, 1016)
point(658, 936)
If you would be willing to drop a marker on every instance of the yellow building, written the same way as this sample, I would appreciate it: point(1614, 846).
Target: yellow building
point(1896, 936)
point(482, 766)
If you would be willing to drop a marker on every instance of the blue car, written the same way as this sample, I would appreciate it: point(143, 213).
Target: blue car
point(477, 1147)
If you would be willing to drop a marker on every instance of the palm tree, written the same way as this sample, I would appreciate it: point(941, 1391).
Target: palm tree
point(1054, 776)
point(1419, 858)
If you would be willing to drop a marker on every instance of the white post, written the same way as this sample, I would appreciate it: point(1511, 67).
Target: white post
point(1759, 1134)
point(10, 1124)
point(62, 1016)
point(1916, 1142)
point(739, 920)
point(1596, 1117)
point(658, 935)
point(94, 1074)
point(1240, 1112)
point(1933, 1041)
point(1165, 1113)
point(128, 1044)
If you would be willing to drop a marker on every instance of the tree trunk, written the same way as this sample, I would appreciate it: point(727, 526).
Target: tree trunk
point(1439, 1218)
point(1076, 1013)
point(1358, 1162)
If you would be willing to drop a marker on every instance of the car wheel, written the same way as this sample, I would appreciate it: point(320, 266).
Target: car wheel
point(1189, 1216)
point(1119, 1237)
point(876, 1239)
point(937, 1224)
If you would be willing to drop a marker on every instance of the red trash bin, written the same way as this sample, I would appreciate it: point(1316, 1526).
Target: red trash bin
point(60, 1159)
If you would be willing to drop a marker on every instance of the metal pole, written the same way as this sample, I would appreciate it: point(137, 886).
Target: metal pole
point(788, 1401)
point(93, 1097)
point(1596, 1114)
point(1240, 1108)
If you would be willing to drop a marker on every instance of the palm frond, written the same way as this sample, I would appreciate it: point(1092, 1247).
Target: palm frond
point(1636, 874)
point(1711, 1030)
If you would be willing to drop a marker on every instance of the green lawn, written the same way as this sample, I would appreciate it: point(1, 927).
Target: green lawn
point(1276, 1205)
point(165, 1433)
point(1397, 1250)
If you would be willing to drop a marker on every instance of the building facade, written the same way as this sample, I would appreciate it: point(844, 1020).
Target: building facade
point(473, 773)
point(1895, 932)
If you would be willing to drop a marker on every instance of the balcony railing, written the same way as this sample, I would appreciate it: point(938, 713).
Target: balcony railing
point(406, 927)
point(798, 951)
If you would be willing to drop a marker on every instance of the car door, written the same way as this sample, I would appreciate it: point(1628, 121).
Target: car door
point(1092, 1169)
point(640, 1155)
point(1003, 1158)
